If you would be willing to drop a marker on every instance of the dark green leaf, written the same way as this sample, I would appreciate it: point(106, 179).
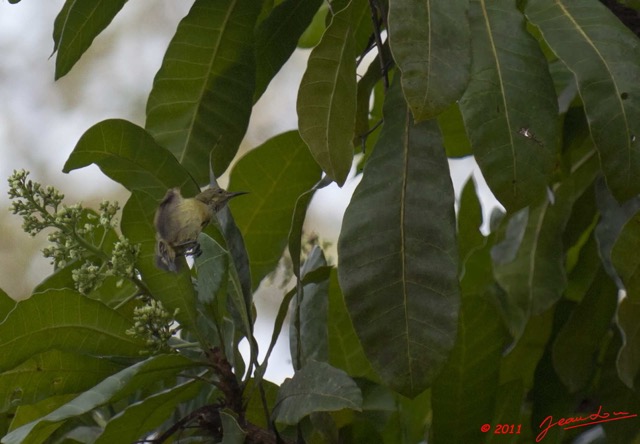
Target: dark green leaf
point(510, 108)
point(535, 279)
point(277, 37)
point(129, 155)
point(398, 254)
point(327, 96)
point(625, 258)
point(473, 368)
point(607, 71)
point(274, 174)
point(628, 362)
point(202, 95)
point(79, 22)
point(64, 320)
point(507, 411)
point(123, 383)
point(52, 373)
point(317, 387)
point(142, 417)
point(430, 43)
point(578, 342)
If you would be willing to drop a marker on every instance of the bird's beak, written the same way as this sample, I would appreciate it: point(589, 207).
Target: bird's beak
point(237, 193)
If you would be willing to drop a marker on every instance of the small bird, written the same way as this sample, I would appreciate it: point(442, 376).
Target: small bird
point(179, 221)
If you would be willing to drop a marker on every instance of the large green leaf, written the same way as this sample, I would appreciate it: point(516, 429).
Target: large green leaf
point(317, 387)
point(75, 27)
point(202, 95)
point(604, 57)
point(464, 395)
point(274, 174)
point(474, 363)
point(128, 154)
point(628, 362)
point(535, 277)
point(277, 37)
point(398, 254)
point(124, 383)
point(431, 45)
point(144, 416)
point(327, 96)
point(175, 291)
point(578, 342)
point(52, 373)
point(63, 320)
point(6, 304)
point(625, 258)
point(507, 411)
point(509, 108)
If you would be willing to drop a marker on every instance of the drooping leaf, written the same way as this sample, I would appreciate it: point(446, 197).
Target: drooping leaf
point(75, 27)
point(431, 45)
point(308, 336)
point(128, 154)
point(317, 387)
point(535, 278)
point(277, 38)
point(52, 373)
point(144, 416)
point(274, 174)
point(64, 320)
point(628, 362)
point(606, 70)
point(509, 107)
point(327, 96)
point(202, 95)
point(398, 254)
point(233, 433)
point(577, 344)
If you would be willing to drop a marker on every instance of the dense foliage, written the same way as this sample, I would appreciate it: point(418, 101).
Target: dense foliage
point(429, 328)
